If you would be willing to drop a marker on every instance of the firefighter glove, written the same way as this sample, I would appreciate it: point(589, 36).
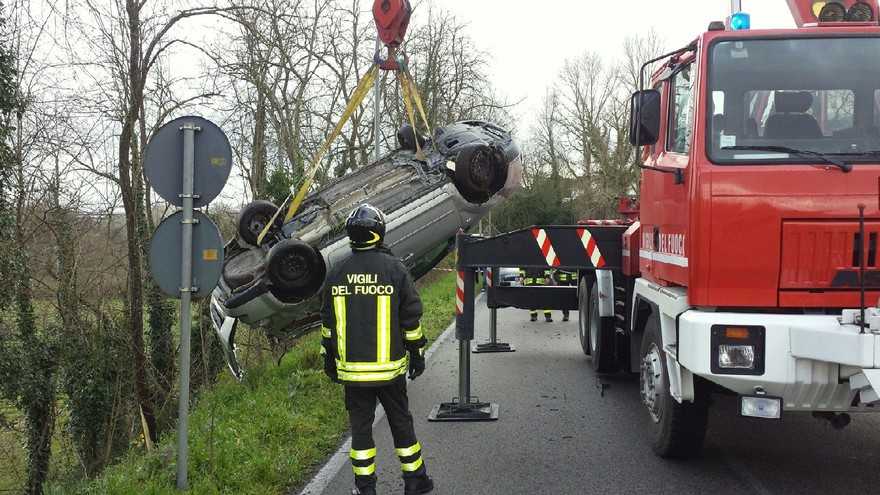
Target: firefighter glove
point(416, 364)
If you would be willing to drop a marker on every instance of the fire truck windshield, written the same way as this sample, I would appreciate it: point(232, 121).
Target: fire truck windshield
point(819, 96)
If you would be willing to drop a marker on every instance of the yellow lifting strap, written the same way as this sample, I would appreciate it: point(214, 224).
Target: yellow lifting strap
point(357, 97)
point(417, 99)
point(411, 98)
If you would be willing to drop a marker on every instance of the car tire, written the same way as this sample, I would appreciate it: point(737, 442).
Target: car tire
point(601, 335)
point(679, 429)
point(295, 270)
point(253, 219)
point(583, 315)
point(480, 172)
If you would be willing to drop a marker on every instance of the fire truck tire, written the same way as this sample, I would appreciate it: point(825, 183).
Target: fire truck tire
point(601, 336)
point(253, 218)
point(678, 428)
point(583, 315)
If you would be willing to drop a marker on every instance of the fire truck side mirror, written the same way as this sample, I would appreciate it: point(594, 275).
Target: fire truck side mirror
point(644, 117)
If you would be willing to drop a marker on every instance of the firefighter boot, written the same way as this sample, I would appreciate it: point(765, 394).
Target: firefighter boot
point(418, 484)
point(364, 490)
point(565, 316)
point(534, 317)
point(548, 317)
point(364, 485)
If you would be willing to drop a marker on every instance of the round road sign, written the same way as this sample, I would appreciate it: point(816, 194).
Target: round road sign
point(166, 254)
point(163, 161)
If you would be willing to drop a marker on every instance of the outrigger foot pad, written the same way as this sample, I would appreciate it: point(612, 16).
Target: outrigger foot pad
point(473, 410)
point(492, 347)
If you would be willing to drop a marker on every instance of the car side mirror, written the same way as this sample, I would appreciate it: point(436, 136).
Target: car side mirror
point(644, 117)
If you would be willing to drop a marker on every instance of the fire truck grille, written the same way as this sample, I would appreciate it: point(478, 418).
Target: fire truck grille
point(827, 255)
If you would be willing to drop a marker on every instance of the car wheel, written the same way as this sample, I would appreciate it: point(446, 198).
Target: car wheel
point(678, 428)
point(583, 315)
point(601, 336)
point(295, 270)
point(480, 172)
point(253, 219)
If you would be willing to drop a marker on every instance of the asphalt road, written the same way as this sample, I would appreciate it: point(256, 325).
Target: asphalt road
point(558, 435)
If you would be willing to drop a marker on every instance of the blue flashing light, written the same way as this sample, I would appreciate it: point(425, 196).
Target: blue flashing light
point(740, 21)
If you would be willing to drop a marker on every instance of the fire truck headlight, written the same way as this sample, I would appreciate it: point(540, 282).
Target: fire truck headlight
point(740, 21)
point(760, 406)
point(860, 12)
point(737, 349)
point(832, 12)
point(740, 357)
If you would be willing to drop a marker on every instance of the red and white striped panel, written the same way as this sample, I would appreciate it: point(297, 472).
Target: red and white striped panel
point(546, 247)
point(489, 277)
point(459, 293)
point(591, 247)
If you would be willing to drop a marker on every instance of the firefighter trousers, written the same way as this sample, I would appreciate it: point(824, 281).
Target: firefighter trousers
point(361, 405)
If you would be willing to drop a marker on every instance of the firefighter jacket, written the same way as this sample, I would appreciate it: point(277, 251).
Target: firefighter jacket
point(370, 318)
point(535, 276)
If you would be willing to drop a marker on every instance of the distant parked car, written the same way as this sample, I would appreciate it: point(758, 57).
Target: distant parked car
point(465, 170)
point(509, 277)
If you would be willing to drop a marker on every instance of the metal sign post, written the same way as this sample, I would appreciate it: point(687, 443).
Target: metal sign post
point(186, 290)
point(178, 165)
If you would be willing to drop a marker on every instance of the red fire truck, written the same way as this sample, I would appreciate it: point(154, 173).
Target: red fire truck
point(753, 267)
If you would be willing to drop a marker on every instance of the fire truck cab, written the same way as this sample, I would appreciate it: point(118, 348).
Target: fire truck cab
point(753, 268)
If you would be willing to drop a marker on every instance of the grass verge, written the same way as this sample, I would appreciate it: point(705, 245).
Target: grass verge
point(266, 435)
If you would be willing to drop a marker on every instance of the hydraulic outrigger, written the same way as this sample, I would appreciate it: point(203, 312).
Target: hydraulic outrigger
point(581, 248)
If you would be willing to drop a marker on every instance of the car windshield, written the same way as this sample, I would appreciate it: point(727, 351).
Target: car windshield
point(808, 95)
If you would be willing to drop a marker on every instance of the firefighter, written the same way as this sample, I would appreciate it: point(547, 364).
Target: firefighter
point(536, 276)
point(565, 278)
point(372, 338)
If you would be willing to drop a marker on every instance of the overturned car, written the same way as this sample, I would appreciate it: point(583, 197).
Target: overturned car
point(461, 173)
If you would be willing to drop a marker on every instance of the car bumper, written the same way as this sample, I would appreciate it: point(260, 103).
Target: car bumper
point(813, 362)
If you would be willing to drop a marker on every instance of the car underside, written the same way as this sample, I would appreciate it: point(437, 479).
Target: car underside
point(428, 189)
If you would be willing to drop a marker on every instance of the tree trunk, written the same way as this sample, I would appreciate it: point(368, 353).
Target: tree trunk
point(135, 310)
point(258, 149)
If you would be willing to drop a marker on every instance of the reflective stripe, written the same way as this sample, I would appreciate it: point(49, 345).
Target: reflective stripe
point(386, 366)
point(370, 376)
point(408, 451)
point(325, 332)
point(415, 334)
point(411, 466)
point(364, 471)
point(383, 329)
point(362, 455)
point(339, 308)
point(323, 351)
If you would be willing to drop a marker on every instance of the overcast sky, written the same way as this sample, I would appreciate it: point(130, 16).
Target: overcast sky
point(529, 41)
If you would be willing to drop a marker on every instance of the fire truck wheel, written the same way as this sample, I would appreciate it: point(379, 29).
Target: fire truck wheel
point(295, 270)
point(253, 218)
point(679, 428)
point(601, 333)
point(583, 315)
